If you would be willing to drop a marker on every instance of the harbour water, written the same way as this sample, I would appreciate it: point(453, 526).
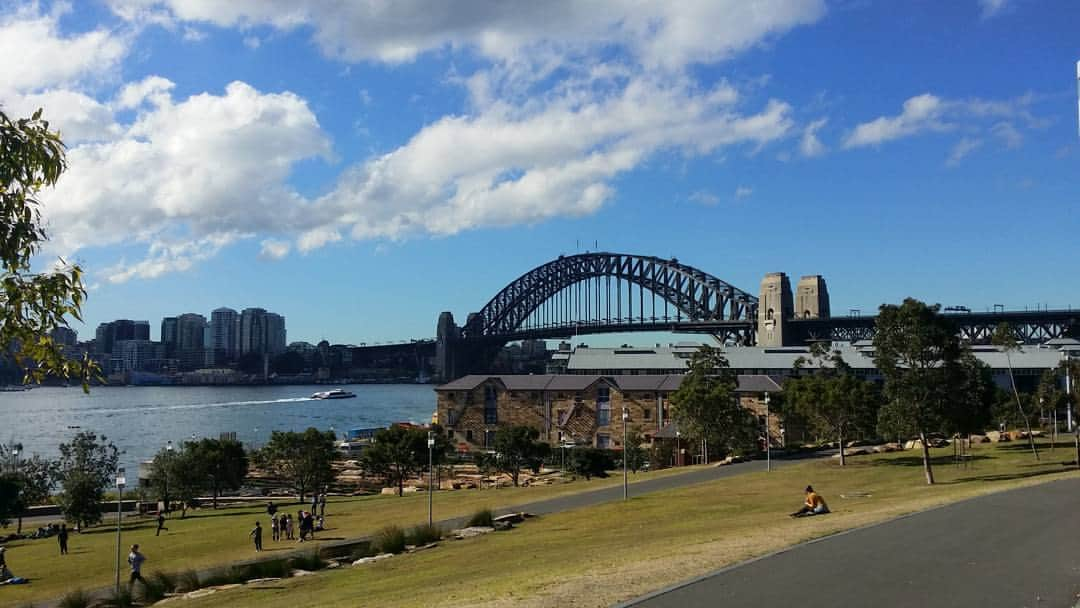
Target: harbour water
point(140, 420)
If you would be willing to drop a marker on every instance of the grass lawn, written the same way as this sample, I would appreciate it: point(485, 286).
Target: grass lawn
point(598, 555)
point(207, 538)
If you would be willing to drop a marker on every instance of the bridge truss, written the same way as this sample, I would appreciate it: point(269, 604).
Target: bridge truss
point(610, 293)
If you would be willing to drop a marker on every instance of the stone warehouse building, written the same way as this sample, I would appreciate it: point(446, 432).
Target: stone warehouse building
point(579, 409)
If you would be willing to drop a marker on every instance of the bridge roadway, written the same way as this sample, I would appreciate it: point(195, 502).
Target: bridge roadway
point(1015, 548)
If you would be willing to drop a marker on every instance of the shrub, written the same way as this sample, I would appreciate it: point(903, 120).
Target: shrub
point(156, 587)
point(309, 561)
point(362, 551)
point(423, 534)
point(186, 581)
point(118, 598)
point(390, 539)
point(482, 518)
point(75, 599)
point(272, 568)
point(226, 576)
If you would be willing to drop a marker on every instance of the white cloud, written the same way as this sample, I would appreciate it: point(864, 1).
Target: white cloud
point(528, 167)
point(547, 127)
point(704, 197)
point(273, 249)
point(252, 42)
point(37, 56)
point(659, 33)
point(193, 35)
point(930, 113)
point(207, 165)
point(920, 113)
point(810, 146)
point(743, 192)
point(78, 117)
point(991, 8)
point(1008, 133)
point(965, 146)
point(165, 257)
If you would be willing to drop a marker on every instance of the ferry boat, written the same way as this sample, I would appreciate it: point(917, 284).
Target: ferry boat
point(337, 393)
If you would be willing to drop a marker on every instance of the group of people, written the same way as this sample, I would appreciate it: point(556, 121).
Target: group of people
point(285, 527)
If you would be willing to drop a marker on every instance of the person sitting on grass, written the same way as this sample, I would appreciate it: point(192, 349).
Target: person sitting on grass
point(814, 505)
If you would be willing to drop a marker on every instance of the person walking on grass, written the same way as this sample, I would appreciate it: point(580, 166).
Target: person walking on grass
point(160, 523)
point(256, 534)
point(290, 526)
point(274, 531)
point(135, 560)
point(62, 538)
point(322, 505)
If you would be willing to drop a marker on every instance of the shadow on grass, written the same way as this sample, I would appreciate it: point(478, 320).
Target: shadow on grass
point(937, 461)
point(1001, 476)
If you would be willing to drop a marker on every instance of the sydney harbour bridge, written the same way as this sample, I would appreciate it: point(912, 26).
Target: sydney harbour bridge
point(602, 292)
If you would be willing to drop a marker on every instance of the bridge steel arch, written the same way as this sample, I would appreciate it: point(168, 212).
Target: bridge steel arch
point(534, 304)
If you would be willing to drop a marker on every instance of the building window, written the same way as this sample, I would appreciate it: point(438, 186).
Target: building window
point(603, 406)
point(451, 397)
point(449, 433)
point(491, 405)
point(646, 414)
point(603, 442)
point(468, 436)
point(489, 439)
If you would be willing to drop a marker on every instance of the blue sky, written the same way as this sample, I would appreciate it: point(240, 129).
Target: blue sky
point(360, 168)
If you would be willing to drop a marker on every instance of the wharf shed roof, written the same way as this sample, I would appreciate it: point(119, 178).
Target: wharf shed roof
point(747, 383)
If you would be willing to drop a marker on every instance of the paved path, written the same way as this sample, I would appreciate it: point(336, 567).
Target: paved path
point(1016, 548)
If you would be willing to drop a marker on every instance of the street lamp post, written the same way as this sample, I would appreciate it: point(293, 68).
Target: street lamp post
point(15, 458)
point(625, 488)
point(678, 448)
point(431, 476)
point(168, 471)
point(121, 481)
point(768, 448)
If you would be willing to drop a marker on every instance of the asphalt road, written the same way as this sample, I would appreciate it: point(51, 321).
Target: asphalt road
point(1013, 549)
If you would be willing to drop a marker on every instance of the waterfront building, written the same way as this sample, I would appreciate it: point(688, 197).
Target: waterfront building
point(107, 334)
point(578, 409)
point(224, 343)
point(169, 335)
point(1028, 363)
point(190, 341)
point(64, 336)
point(275, 333)
point(138, 356)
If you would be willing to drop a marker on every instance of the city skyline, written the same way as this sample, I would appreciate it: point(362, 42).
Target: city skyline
point(360, 180)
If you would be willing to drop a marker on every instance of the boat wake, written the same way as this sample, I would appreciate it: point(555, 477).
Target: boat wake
point(194, 406)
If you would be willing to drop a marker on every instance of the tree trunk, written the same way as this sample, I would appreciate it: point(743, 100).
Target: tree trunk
point(19, 529)
point(400, 486)
point(1027, 425)
point(926, 459)
point(215, 497)
point(843, 459)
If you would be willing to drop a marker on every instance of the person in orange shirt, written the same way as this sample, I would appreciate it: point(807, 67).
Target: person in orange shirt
point(814, 505)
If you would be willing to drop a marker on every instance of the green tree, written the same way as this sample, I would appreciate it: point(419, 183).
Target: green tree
point(33, 304)
point(590, 462)
point(971, 395)
point(1005, 339)
point(86, 467)
point(706, 405)
point(305, 459)
point(36, 478)
point(11, 504)
point(635, 455)
point(517, 448)
point(178, 475)
point(914, 346)
point(399, 453)
point(223, 462)
point(833, 401)
point(1049, 395)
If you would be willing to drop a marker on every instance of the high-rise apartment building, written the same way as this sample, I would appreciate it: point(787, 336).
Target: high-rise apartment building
point(168, 336)
point(224, 335)
point(253, 331)
point(262, 332)
point(64, 336)
point(107, 334)
point(275, 333)
point(190, 341)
